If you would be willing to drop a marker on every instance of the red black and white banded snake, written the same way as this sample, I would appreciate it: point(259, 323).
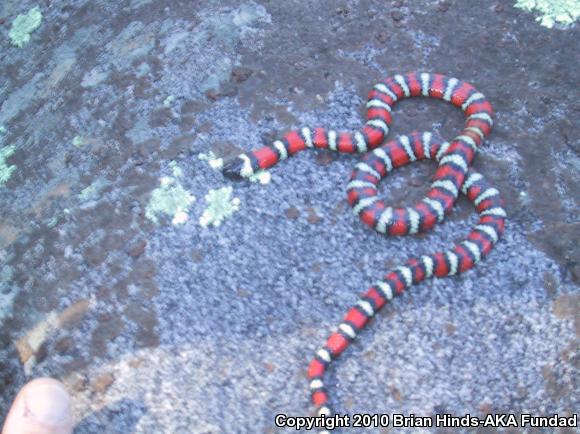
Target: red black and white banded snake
point(453, 176)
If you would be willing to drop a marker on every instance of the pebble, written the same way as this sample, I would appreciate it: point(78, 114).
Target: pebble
point(292, 213)
point(382, 37)
point(566, 305)
point(41, 353)
point(145, 268)
point(74, 314)
point(575, 271)
point(103, 382)
point(439, 409)
point(226, 150)
point(269, 136)
point(416, 181)
point(197, 255)
point(226, 89)
point(148, 147)
point(136, 362)
point(313, 218)
point(450, 328)
point(76, 382)
point(395, 393)
point(444, 6)
point(485, 407)
point(136, 248)
point(64, 345)
point(550, 283)
point(397, 16)
point(241, 74)
point(324, 158)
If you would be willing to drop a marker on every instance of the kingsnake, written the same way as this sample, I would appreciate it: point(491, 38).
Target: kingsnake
point(453, 175)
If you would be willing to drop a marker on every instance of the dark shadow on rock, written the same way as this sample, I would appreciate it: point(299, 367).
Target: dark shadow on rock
point(12, 376)
point(118, 418)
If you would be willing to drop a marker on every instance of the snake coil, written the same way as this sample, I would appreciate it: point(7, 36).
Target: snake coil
point(452, 177)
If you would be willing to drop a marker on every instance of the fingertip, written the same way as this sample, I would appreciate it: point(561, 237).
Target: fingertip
point(43, 406)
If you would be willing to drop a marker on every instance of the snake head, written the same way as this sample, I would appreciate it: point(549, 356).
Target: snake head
point(233, 169)
point(244, 166)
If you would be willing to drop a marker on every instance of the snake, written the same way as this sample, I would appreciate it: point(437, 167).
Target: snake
point(453, 176)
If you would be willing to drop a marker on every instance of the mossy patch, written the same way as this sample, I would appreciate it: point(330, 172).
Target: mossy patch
point(220, 205)
point(170, 199)
point(563, 12)
point(23, 25)
point(6, 170)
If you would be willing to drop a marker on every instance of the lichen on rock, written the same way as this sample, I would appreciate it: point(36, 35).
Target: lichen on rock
point(23, 25)
point(170, 199)
point(6, 170)
point(220, 205)
point(563, 12)
point(93, 191)
point(78, 141)
point(212, 159)
point(167, 102)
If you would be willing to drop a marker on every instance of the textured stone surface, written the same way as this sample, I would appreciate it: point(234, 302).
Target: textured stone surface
point(168, 326)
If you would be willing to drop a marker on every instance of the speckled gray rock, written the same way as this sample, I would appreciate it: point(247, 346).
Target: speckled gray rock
point(176, 328)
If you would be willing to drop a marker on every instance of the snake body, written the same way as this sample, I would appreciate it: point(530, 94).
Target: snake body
point(452, 177)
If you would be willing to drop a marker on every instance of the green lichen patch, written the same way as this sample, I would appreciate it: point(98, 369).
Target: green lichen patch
point(170, 199)
point(212, 159)
point(220, 205)
point(562, 12)
point(3, 130)
point(52, 222)
point(93, 191)
point(175, 169)
point(6, 170)
point(23, 25)
point(78, 142)
point(167, 102)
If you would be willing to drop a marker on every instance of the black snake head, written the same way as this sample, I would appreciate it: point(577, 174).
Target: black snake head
point(233, 169)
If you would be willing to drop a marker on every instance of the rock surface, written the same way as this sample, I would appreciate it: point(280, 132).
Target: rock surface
point(163, 325)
